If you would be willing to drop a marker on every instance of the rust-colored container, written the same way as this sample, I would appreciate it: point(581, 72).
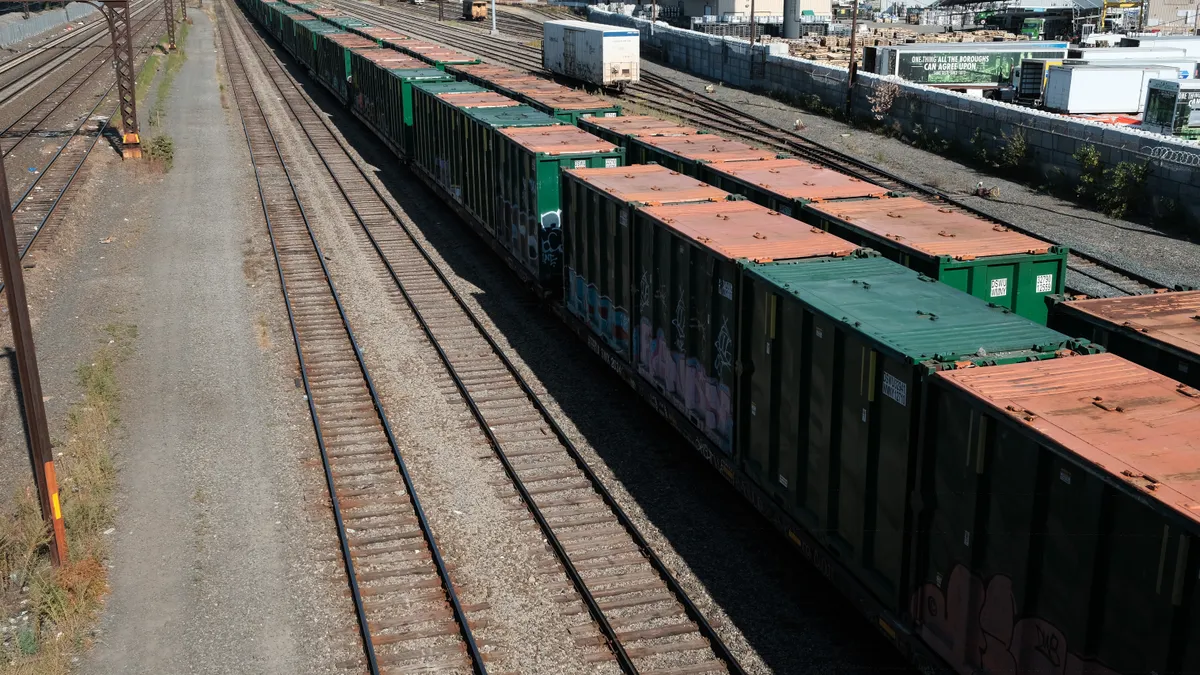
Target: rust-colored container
point(478, 73)
point(620, 130)
point(1061, 507)
point(435, 55)
point(988, 261)
point(786, 185)
point(693, 154)
point(528, 163)
point(383, 36)
point(597, 209)
point(688, 269)
point(482, 99)
point(568, 105)
point(1160, 331)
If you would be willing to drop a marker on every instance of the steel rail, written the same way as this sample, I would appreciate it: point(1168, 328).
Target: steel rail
point(721, 116)
point(426, 529)
point(71, 86)
point(643, 546)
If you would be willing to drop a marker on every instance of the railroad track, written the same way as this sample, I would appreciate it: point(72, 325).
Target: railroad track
point(662, 95)
point(616, 592)
point(408, 610)
point(32, 120)
point(34, 207)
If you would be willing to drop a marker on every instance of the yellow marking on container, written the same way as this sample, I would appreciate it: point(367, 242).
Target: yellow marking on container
point(887, 629)
point(55, 506)
point(794, 538)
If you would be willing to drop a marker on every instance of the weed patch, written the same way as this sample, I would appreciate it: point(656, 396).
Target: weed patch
point(161, 149)
point(55, 608)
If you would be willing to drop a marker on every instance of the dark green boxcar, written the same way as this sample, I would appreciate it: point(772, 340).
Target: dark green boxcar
point(786, 185)
point(308, 33)
point(988, 261)
point(346, 23)
point(1160, 331)
point(687, 262)
point(1058, 528)
point(333, 61)
point(435, 129)
point(835, 355)
point(529, 161)
point(401, 94)
point(378, 92)
point(597, 219)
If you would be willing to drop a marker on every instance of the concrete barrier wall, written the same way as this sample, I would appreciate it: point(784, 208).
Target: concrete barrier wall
point(14, 28)
point(937, 117)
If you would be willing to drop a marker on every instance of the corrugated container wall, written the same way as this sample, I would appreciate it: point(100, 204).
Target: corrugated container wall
point(598, 213)
point(989, 261)
point(834, 359)
point(1059, 518)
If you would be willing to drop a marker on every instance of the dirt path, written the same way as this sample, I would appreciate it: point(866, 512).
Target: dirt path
point(211, 563)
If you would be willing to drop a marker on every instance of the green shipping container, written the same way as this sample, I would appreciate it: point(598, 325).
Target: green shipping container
point(346, 22)
point(436, 130)
point(529, 162)
point(380, 96)
point(991, 262)
point(569, 106)
point(308, 33)
point(835, 357)
point(333, 61)
point(621, 130)
point(786, 185)
point(597, 219)
point(687, 266)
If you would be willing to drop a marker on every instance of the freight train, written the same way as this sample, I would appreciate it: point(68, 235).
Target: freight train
point(871, 372)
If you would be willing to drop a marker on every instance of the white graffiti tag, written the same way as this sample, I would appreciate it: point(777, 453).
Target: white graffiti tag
point(645, 291)
point(680, 322)
point(724, 348)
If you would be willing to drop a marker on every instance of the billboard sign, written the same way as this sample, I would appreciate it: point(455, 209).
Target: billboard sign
point(961, 67)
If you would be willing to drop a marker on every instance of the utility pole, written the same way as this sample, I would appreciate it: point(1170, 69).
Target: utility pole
point(184, 3)
point(853, 59)
point(116, 12)
point(752, 27)
point(169, 10)
point(441, 16)
point(494, 31)
point(41, 454)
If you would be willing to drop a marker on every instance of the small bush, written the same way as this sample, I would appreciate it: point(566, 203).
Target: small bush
point(1015, 152)
point(162, 149)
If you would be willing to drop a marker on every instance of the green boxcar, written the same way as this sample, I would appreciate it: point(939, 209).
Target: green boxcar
point(333, 61)
point(346, 23)
point(569, 106)
point(382, 36)
point(992, 263)
point(835, 358)
point(1059, 509)
point(529, 161)
point(435, 55)
point(436, 126)
point(308, 33)
point(687, 266)
point(620, 131)
point(1160, 331)
point(383, 96)
point(598, 208)
point(786, 185)
point(691, 154)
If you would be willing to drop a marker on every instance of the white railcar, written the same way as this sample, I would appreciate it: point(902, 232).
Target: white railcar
point(606, 56)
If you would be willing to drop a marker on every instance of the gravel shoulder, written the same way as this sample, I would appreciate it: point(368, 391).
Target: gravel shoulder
point(215, 563)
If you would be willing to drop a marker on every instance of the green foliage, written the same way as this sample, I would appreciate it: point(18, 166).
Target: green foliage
point(162, 149)
point(1115, 191)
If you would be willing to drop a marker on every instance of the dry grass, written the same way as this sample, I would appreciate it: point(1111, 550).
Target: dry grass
point(56, 607)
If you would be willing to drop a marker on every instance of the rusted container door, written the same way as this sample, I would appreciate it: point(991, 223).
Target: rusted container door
point(1033, 559)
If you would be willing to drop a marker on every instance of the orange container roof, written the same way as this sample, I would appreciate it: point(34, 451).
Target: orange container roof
point(744, 229)
point(795, 179)
point(560, 139)
point(1167, 317)
point(707, 148)
point(352, 40)
point(533, 86)
point(485, 69)
point(477, 99)
point(1137, 426)
point(921, 226)
point(642, 125)
point(571, 101)
point(649, 184)
point(383, 33)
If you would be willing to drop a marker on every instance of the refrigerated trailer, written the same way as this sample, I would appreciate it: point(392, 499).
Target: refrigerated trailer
point(606, 56)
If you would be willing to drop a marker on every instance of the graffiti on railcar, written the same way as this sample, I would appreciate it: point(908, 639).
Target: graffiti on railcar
point(974, 625)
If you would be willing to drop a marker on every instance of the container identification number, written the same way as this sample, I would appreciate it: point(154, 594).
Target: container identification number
point(895, 389)
point(610, 162)
point(999, 288)
point(582, 164)
point(1045, 283)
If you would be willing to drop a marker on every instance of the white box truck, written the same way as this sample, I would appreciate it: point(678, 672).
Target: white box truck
point(606, 56)
point(1093, 89)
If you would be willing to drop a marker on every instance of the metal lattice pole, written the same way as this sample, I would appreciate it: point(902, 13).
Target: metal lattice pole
point(169, 10)
point(117, 14)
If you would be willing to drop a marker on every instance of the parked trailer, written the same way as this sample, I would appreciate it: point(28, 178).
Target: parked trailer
point(1172, 107)
point(1056, 519)
point(691, 154)
point(475, 10)
point(620, 130)
point(597, 219)
point(786, 185)
point(1158, 331)
point(991, 262)
point(597, 54)
point(1100, 89)
point(834, 358)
